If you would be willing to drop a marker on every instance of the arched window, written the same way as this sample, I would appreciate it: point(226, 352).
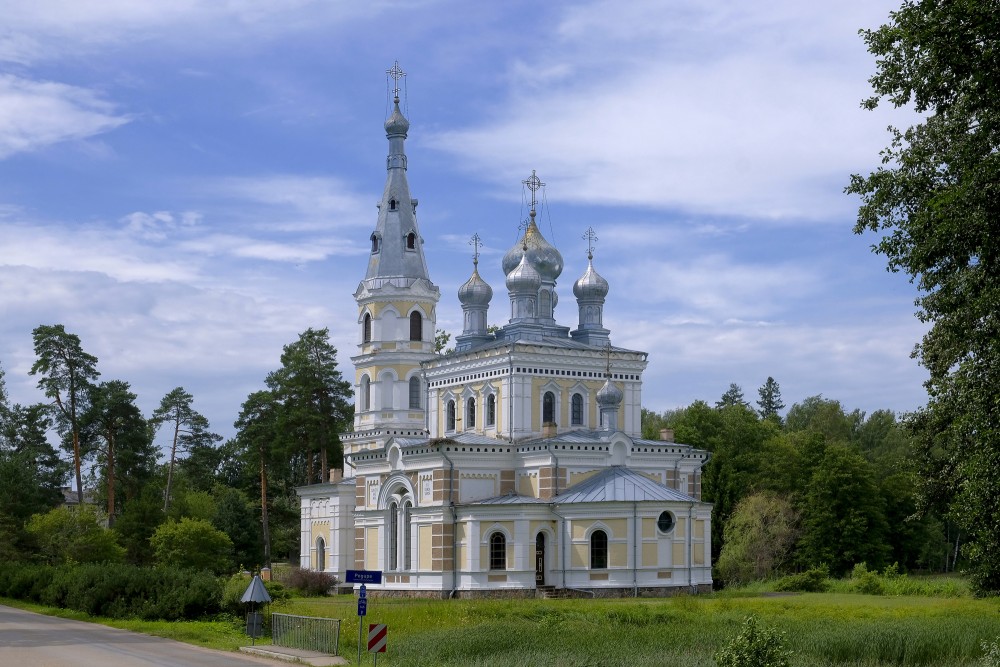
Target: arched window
point(414, 393)
point(598, 550)
point(498, 551)
point(411, 241)
point(366, 329)
point(320, 554)
point(450, 416)
point(392, 204)
point(416, 326)
point(470, 413)
point(366, 394)
point(407, 505)
point(374, 243)
point(392, 528)
point(548, 407)
point(576, 417)
point(491, 410)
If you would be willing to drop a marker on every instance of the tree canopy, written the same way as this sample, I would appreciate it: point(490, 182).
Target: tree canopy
point(935, 202)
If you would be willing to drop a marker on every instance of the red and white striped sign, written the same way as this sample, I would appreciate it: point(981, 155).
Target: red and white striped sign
point(378, 634)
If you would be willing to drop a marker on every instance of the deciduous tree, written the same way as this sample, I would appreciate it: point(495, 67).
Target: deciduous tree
point(935, 201)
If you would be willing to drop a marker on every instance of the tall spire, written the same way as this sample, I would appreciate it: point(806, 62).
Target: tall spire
point(396, 246)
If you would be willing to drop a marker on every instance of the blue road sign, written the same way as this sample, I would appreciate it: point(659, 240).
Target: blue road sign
point(362, 606)
point(363, 593)
point(364, 577)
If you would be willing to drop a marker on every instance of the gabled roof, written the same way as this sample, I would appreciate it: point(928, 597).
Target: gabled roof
point(620, 484)
point(509, 499)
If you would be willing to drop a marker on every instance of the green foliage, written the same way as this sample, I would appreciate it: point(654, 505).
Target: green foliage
point(308, 582)
point(74, 535)
point(813, 580)
point(732, 396)
point(188, 432)
point(755, 646)
point(117, 591)
point(236, 585)
point(139, 520)
point(235, 516)
point(192, 543)
point(759, 537)
point(770, 403)
point(933, 204)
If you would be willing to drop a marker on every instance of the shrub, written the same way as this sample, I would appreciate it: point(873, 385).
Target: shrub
point(755, 646)
point(74, 535)
point(815, 580)
point(308, 582)
point(237, 584)
point(991, 657)
point(865, 581)
point(193, 543)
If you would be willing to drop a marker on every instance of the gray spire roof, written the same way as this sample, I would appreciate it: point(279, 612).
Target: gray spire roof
point(396, 245)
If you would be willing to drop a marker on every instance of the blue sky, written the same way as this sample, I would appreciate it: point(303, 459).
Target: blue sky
point(189, 185)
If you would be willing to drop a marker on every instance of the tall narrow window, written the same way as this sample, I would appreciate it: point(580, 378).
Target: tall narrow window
point(491, 410)
point(548, 407)
point(414, 393)
point(374, 243)
point(416, 326)
point(392, 528)
point(498, 551)
point(470, 413)
point(392, 204)
point(577, 416)
point(407, 505)
point(450, 416)
point(598, 550)
point(366, 394)
point(411, 241)
point(366, 329)
point(320, 554)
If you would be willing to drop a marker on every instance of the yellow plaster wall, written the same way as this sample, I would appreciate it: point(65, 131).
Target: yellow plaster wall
point(371, 548)
point(527, 485)
point(649, 528)
point(424, 542)
point(579, 555)
point(486, 528)
point(678, 555)
point(617, 555)
point(650, 554)
point(680, 526)
point(699, 553)
point(575, 477)
point(699, 529)
point(617, 527)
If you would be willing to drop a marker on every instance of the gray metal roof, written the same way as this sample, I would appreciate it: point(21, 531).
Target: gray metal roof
point(256, 592)
point(619, 484)
point(509, 499)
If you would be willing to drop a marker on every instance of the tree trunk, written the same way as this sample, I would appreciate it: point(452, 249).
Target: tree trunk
point(111, 480)
point(265, 526)
point(170, 468)
point(76, 465)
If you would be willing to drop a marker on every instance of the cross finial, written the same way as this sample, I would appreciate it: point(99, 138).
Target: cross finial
point(607, 351)
point(396, 73)
point(533, 183)
point(476, 244)
point(590, 237)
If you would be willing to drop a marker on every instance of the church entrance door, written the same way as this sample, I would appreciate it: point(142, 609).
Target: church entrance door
point(540, 559)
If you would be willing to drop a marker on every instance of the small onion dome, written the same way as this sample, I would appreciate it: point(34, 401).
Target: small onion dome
point(397, 123)
point(541, 254)
point(524, 277)
point(590, 284)
point(609, 394)
point(475, 291)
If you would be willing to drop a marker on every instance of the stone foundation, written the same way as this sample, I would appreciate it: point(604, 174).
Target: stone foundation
point(528, 593)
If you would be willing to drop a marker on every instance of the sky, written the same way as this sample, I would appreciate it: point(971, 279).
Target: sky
point(189, 185)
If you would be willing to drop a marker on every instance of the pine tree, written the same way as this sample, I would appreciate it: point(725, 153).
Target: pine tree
point(770, 400)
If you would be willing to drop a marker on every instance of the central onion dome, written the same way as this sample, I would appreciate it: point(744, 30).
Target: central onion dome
point(523, 277)
point(609, 395)
point(475, 291)
point(591, 284)
point(397, 123)
point(540, 254)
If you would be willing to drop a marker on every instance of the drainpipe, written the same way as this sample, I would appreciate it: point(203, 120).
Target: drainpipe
point(690, 545)
point(427, 399)
point(635, 549)
point(454, 522)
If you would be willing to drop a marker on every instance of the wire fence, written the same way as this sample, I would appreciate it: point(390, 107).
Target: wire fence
point(306, 632)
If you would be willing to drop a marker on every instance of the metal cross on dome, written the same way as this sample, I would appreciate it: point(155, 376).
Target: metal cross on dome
point(396, 73)
point(476, 244)
point(590, 236)
point(534, 184)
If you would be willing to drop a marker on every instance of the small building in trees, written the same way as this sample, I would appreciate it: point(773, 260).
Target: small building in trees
point(512, 463)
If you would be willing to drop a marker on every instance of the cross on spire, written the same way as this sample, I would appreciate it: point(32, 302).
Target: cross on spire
point(534, 184)
point(396, 73)
point(590, 237)
point(476, 244)
point(607, 351)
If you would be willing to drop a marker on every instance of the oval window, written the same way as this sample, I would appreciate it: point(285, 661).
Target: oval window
point(666, 522)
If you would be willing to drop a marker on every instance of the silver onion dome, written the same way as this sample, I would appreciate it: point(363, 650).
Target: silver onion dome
point(591, 284)
point(609, 394)
point(540, 253)
point(397, 123)
point(475, 291)
point(523, 277)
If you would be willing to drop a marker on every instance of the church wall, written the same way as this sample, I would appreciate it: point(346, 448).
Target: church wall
point(371, 549)
point(425, 554)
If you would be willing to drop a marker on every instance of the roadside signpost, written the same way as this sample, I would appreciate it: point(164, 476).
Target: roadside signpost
point(364, 577)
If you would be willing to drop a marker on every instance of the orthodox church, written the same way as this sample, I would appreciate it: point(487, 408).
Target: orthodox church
point(512, 465)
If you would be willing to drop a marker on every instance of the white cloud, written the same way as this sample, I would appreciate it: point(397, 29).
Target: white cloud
point(36, 114)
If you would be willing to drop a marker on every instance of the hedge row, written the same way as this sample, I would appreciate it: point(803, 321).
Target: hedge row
point(116, 591)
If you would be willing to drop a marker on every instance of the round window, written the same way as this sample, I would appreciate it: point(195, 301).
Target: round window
point(666, 522)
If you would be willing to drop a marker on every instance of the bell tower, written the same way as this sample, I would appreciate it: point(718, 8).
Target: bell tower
point(396, 307)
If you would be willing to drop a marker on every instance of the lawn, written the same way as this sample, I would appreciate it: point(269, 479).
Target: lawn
point(823, 629)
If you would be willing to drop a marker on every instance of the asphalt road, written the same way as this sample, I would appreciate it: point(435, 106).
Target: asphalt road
point(33, 640)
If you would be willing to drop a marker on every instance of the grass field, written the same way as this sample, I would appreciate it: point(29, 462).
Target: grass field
point(824, 629)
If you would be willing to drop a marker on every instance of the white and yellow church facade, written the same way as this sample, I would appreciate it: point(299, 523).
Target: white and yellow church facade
point(512, 464)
